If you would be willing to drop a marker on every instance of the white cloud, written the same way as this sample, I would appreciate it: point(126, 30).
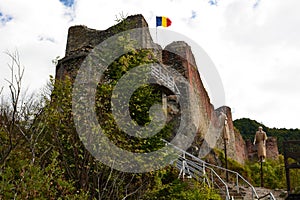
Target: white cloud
point(254, 44)
point(38, 33)
point(264, 45)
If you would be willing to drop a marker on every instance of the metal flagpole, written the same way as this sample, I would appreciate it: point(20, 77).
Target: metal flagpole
point(156, 35)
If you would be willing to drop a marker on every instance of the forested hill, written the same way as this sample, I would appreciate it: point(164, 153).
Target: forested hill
point(248, 127)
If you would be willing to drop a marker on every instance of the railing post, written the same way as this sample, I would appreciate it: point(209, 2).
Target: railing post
point(204, 172)
point(237, 183)
point(182, 170)
point(212, 180)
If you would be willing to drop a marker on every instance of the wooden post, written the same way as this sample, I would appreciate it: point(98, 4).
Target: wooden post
point(261, 173)
point(226, 165)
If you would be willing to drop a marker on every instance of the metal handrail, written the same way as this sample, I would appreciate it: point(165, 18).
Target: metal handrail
point(272, 196)
point(238, 176)
point(269, 194)
point(254, 193)
point(196, 168)
point(226, 187)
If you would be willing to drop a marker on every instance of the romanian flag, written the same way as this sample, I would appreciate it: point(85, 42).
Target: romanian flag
point(163, 21)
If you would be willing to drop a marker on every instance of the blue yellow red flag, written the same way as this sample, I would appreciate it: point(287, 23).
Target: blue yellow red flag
point(163, 21)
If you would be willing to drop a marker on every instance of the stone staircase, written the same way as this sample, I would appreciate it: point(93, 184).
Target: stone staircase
point(237, 187)
point(236, 194)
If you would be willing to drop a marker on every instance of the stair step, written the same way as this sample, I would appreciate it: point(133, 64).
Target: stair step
point(293, 197)
point(234, 197)
point(237, 197)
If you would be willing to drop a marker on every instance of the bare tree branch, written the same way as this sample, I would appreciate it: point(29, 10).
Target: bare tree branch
point(109, 176)
point(132, 193)
point(15, 91)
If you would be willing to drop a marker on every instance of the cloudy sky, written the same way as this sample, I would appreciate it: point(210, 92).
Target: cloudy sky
point(254, 44)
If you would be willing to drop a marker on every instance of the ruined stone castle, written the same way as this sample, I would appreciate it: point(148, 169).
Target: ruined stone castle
point(81, 40)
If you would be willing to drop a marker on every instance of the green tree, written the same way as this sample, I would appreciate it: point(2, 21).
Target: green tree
point(248, 128)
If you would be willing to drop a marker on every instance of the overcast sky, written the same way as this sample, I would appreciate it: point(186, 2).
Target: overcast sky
point(254, 44)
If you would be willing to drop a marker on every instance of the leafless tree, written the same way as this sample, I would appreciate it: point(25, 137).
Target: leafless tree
point(9, 110)
point(18, 112)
